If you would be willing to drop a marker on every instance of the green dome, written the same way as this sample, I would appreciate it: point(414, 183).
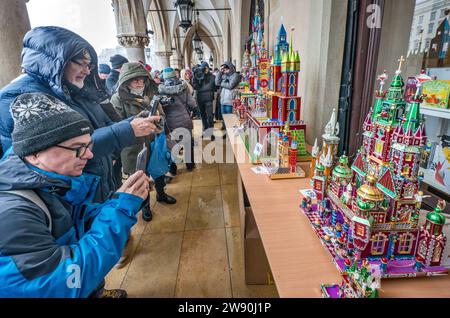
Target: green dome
point(320, 167)
point(342, 171)
point(397, 81)
point(436, 217)
point(365, 205)
point(343, 159)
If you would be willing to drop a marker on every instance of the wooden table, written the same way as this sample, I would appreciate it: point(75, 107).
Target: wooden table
point(298, 261)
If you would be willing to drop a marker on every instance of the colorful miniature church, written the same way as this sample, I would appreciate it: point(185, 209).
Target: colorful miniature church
point(371, 209)
point(268, 98)
point(281, 98)
point(358, 281)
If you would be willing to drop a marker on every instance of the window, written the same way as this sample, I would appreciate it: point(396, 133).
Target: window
point(433, 16)
point(423, 249)
point(419, 30)
point(404, 214)
point(292, 79)
point(291, 116)
point(360, 230)
point(291, 90)
point(437, 230)
point(380, 133)
point(378, 242)
point(408, 157)
point(279, 84)
point(379, 147)
point(405, 243)
point(427, 43)
point(437, 253)
point(406, 170)
point(430, 28)
point(280, 109)
point(292, 104)
point(421, 19)
point(409, 191)
point(442, 13)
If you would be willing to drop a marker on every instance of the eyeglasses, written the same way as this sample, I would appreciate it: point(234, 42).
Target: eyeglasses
point(80, 151)
point(138, 80)
point(89, 66)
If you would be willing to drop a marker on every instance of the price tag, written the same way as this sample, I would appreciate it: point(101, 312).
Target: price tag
point(258, 149)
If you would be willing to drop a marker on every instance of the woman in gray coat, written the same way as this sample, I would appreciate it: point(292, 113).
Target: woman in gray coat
point(178, 112)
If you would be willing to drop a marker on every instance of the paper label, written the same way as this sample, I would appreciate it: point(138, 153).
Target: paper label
point(308, 193)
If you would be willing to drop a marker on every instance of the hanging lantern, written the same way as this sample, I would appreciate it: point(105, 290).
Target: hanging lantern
point(200, 55)
point(184, 10)
point(197, 42)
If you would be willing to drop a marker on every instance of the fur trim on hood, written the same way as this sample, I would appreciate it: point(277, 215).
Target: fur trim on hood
point(173, 89)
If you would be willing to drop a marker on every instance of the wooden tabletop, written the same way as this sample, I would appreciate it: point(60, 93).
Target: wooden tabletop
point(298, 261)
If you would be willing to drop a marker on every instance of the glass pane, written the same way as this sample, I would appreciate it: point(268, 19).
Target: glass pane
point(419, 30)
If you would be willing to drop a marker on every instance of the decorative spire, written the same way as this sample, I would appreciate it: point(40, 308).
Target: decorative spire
point(328, 159)
point(382, 78)
point(401, 60)
point(423, 77)
point(282, 34)
point(297, 61)
point(291, 43)
point(315, 149)
point(332, 128)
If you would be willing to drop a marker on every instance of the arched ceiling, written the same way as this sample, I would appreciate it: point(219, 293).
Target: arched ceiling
point(168, 35)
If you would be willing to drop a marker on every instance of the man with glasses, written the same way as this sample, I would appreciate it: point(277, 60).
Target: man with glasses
point(60, 63)
point(53, 241)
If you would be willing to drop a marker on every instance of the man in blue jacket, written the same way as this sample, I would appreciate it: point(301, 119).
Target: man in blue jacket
point(53, 241)
point(60, 63)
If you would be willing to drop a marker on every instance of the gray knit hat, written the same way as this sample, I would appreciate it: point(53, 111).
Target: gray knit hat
point(42, 121)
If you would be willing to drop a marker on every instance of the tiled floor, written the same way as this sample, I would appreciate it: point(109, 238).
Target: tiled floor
point(193, 248)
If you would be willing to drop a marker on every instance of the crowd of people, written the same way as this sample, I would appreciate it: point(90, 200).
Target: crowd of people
point(73, 137)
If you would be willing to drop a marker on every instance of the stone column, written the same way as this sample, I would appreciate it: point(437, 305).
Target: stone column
point(14, 23)
point(163, 59)
point(131, 27)
point(176, 61)
point(134, 46)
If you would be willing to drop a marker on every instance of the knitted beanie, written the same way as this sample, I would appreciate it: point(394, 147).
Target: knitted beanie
point(104, 69)
point(169, 72)
point(42, 121)
point(117, 61)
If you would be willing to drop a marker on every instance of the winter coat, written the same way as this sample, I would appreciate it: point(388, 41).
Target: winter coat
point(45, 54)
point(128, 105)
point(205, 88)
point(71, 260)
point(178, 112)
point(228, 82)
point(189, 86)
point(111, 81)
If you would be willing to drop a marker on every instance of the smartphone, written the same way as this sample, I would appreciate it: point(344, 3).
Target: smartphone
point(141, 161)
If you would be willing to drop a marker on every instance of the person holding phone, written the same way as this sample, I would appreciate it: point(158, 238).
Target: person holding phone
point(54, 242)
point(134, 96)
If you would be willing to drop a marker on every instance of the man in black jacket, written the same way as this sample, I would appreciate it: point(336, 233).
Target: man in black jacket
point(204, 84)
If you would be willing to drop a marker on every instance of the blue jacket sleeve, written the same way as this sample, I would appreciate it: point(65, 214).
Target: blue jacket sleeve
point(82, 265)
point(113, 138)
point(6, 121)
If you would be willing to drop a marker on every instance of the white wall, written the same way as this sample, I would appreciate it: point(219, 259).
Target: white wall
point(319, 37)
